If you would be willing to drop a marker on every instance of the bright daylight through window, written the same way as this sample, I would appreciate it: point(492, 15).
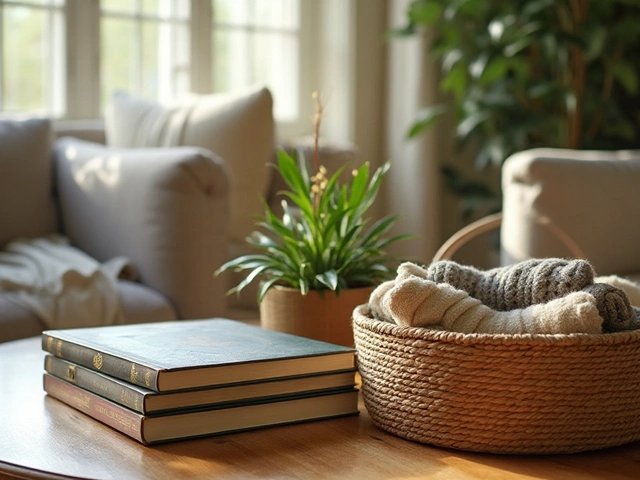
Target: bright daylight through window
point(158, 49)
point(32, 56)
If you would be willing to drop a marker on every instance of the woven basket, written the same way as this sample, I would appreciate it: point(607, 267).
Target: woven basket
point(518, 394)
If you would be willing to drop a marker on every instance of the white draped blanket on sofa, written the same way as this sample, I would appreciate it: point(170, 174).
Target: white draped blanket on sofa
point(60, 284)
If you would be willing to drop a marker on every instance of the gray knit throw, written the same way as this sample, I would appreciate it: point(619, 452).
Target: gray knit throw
point(515, 286)
point(614, 307)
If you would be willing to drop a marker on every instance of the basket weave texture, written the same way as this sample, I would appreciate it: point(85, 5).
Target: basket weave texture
point(514, 394)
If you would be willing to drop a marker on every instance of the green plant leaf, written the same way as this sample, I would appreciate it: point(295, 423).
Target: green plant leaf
point(249, 278)
point(471, 122)
point(596, 42)
point(536, 6)
point(264, 288)
point(304, 171)
point(425, 12)
point(299, 193)
point(476, 68)
point(330, 189)
point(359, 185)
point(495, 69)
point(450, 58)
point(627, 75)
point(259, 239)
point(239, 262)
point(304, 286)
point(329, 279)
point(455, 81)
point(378, 229)
point(425, 119)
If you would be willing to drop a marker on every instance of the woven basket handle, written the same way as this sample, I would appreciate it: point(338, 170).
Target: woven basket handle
point(492, 222)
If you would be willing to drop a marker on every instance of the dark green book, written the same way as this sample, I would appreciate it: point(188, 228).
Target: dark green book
point(181, 355)
point(146, 401)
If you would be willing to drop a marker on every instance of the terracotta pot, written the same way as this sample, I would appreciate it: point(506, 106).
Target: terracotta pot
point(319, 315)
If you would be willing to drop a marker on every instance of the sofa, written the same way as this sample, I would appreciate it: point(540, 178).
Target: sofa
point(145, 185)
point(165, 210)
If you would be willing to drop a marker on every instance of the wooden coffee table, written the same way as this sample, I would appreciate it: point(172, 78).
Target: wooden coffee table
point(43, 438)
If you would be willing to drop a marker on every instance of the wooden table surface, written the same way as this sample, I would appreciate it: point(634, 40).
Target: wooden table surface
point(43, 438)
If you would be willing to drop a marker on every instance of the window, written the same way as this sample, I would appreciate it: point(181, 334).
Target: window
point(32, 56)
point(258, 41)
point(158, 49)
point(144, 48)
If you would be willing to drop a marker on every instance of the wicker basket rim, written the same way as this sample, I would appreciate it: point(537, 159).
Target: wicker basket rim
point(363, 318)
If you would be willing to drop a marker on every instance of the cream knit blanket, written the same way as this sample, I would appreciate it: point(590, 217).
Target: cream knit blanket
point(536, 296)
point(60, 284)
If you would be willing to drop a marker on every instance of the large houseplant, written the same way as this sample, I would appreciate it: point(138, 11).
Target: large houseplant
point(322, 257)
point(532, 73)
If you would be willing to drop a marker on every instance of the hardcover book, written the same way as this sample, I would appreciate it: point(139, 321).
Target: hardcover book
point(149, 429)
point(146, 401)
point(182, 355)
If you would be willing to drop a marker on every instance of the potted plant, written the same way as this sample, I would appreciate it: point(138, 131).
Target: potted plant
point(322, 257)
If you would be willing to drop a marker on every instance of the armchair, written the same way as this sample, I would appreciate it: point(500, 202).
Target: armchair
point(164, 209)
point(566, 203)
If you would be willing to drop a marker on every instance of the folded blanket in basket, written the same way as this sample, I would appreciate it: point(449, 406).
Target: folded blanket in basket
point(632, 289)
point(416, 302)
point(535, 296)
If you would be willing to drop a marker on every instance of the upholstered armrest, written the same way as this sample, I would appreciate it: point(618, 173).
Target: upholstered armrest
point(593, 196)
point(166, 209)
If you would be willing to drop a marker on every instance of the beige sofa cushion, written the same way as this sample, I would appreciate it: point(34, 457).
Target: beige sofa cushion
point(593, 196)
point(27, 207)
point(237, 127)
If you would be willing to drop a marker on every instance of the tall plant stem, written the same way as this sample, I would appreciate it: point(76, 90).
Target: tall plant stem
point(317, 120)
point(579, 10)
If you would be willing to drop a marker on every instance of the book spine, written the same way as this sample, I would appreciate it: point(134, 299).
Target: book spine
point(115, 416)
point(103, 362)
point(95, 383)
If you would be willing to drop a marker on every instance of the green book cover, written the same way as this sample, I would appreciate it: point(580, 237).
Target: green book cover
point(168, 356)
point(145, 401)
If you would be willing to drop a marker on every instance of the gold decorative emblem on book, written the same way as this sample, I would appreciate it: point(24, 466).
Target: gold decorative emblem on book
point(124, 397)
point(59, 348)
point(97, 361)
point(133, 376)
point(71, 373)
point(50, 344)
point(147, 379)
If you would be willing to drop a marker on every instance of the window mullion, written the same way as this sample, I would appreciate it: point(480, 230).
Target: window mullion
point(137, 55)
point(201, 56)
point(52, 54)
point(83, 59)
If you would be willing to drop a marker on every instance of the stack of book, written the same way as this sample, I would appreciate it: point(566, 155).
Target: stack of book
point(172, 380)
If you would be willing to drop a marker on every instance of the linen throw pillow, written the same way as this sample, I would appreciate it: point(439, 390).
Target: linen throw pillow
point(27, 205)
point(237, 127)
